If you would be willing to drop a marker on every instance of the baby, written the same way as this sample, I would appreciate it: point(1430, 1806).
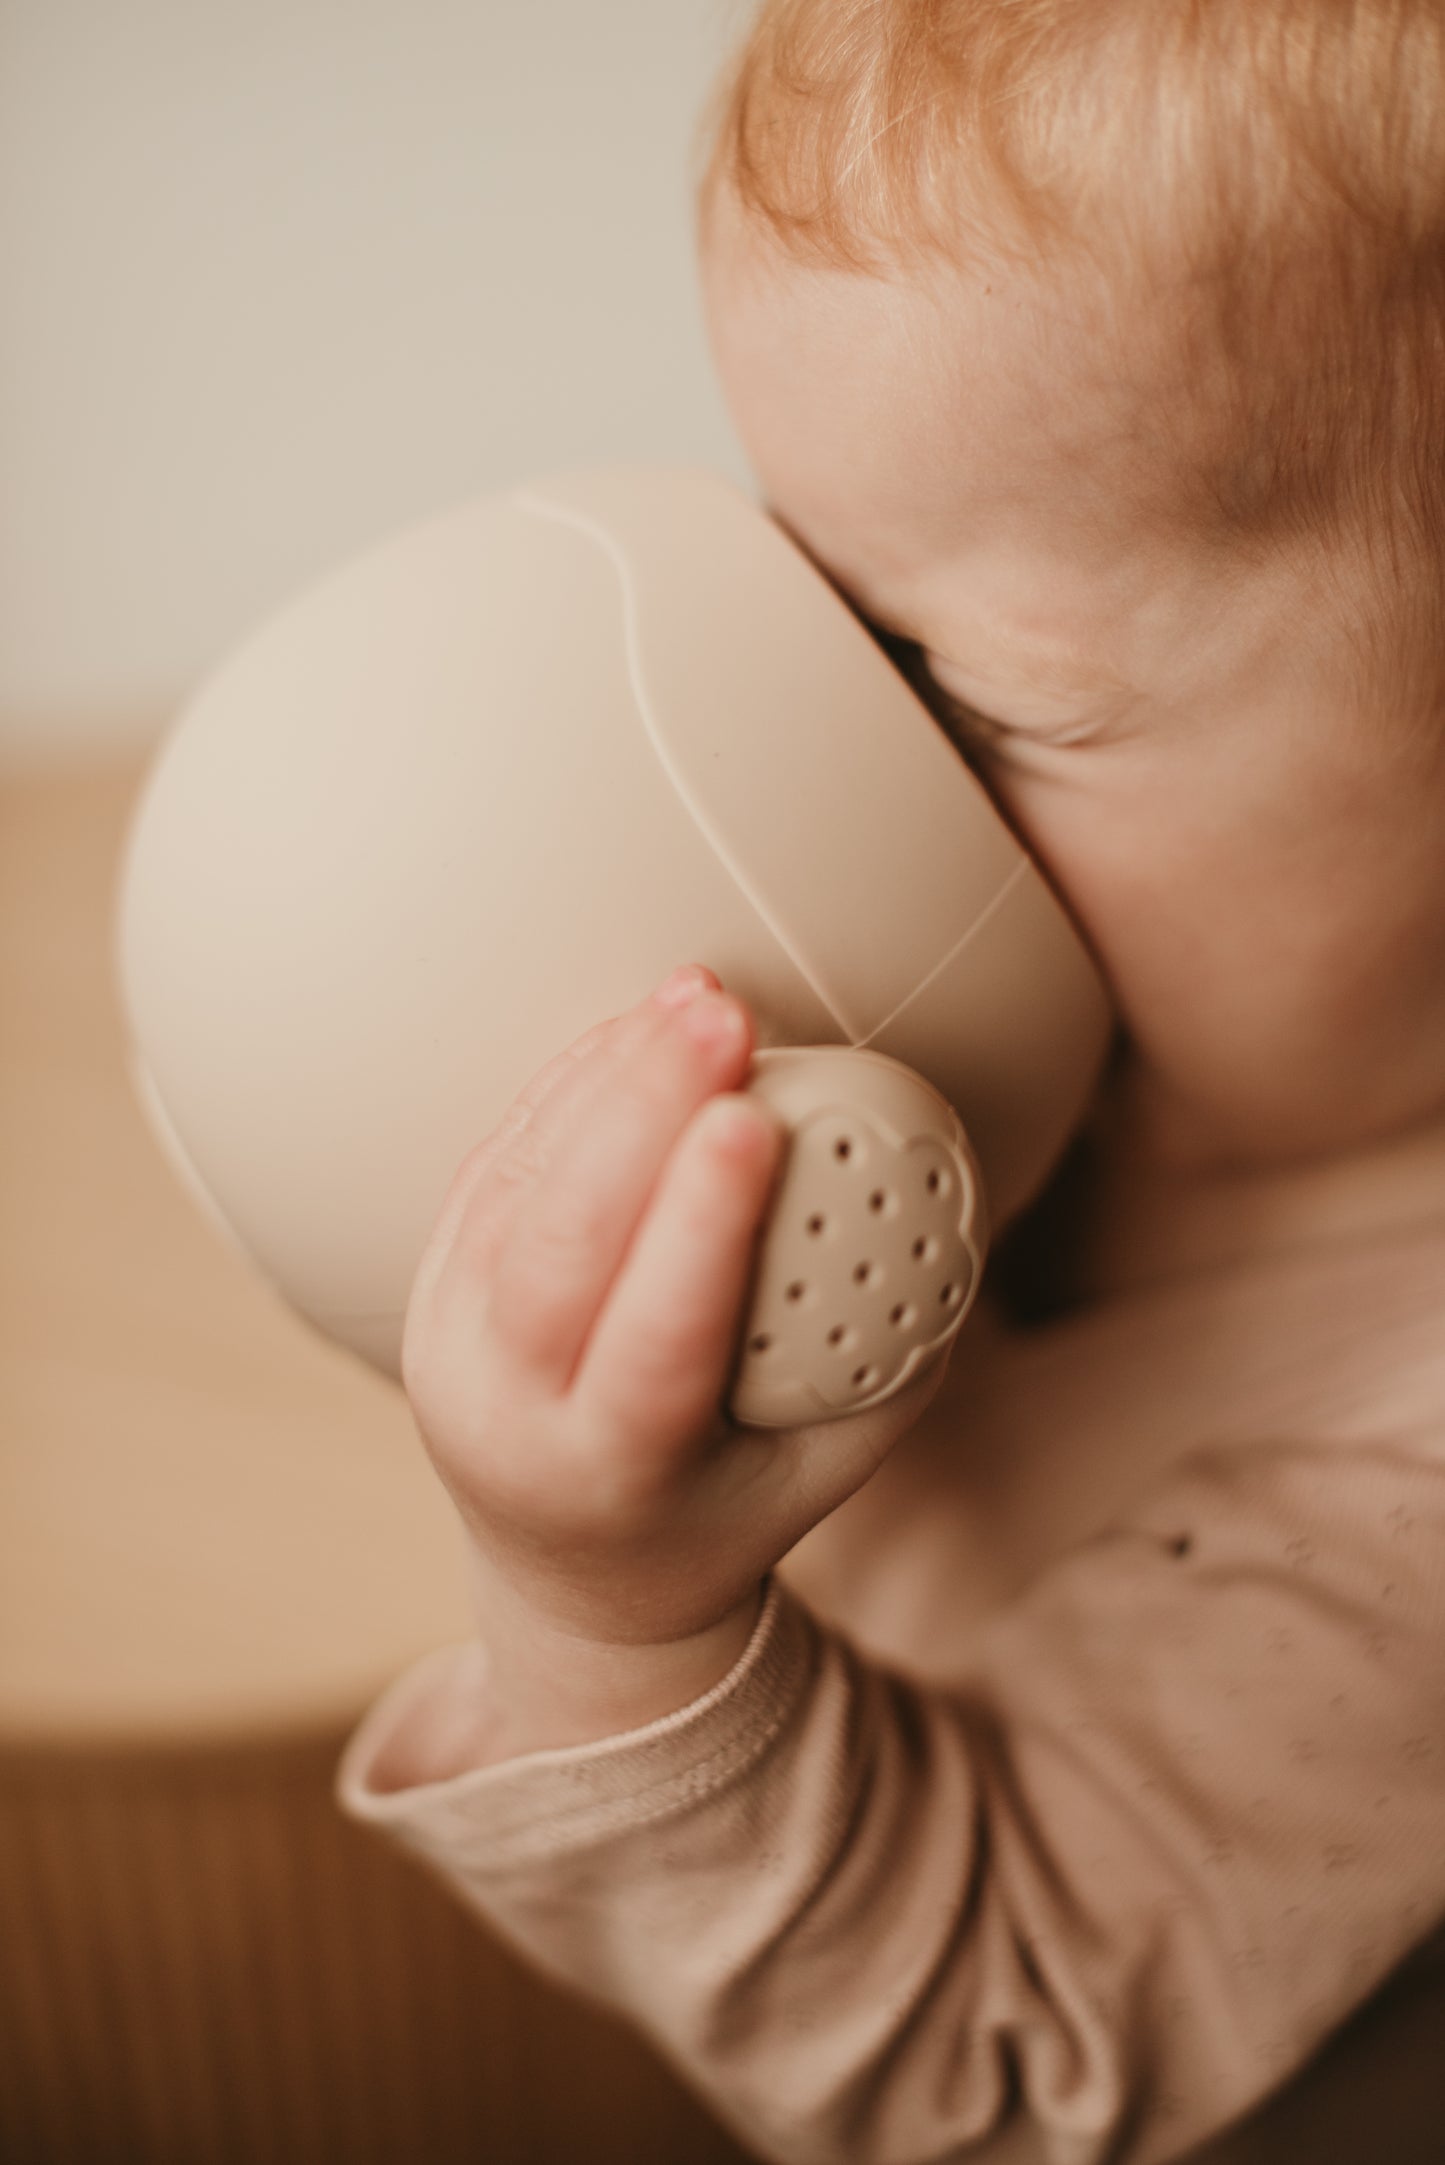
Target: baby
point(1050, 1764)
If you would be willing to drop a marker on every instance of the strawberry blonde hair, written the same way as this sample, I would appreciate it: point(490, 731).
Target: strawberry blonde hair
point(1269, 174)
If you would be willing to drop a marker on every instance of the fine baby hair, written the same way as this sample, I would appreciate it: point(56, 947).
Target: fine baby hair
point(1253, 190)
point(494, 780)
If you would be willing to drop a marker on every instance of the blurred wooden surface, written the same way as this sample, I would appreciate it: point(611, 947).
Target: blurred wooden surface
point(218, 1540)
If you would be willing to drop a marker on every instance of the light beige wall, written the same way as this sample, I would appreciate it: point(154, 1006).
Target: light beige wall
point(279, 275)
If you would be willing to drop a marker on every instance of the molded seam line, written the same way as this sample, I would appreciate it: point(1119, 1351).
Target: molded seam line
point(565, 515)
point(1025, 864)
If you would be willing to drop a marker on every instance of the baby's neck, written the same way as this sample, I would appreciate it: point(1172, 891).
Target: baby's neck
point(1121, 1216)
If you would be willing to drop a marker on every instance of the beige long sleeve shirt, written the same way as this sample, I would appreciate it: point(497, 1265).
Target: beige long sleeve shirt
point(1083, 1775)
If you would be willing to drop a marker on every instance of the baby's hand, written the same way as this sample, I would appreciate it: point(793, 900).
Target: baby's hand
point(571, 1329)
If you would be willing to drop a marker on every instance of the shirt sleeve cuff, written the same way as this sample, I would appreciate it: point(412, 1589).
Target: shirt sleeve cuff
point(489, 1818)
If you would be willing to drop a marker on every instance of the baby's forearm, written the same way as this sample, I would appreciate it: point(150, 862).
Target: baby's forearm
point(1177, 1817)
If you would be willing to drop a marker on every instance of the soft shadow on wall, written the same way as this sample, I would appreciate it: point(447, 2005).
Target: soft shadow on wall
point(279, 279)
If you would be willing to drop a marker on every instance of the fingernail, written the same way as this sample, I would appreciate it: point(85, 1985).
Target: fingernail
point(683, 985)
point(715, 1023)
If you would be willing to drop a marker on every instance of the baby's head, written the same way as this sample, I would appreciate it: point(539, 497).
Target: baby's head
point(1096, 349)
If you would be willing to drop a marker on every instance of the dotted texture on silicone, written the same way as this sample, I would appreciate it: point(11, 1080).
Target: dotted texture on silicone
point(871, 1256)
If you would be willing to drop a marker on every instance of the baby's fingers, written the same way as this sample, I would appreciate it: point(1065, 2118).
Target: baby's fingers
point(555, 1269)
point(524, 1140)
point(561, 1079)
point(656, 1362)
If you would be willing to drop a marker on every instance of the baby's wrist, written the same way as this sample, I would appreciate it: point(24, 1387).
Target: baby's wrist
point(542, 1685)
